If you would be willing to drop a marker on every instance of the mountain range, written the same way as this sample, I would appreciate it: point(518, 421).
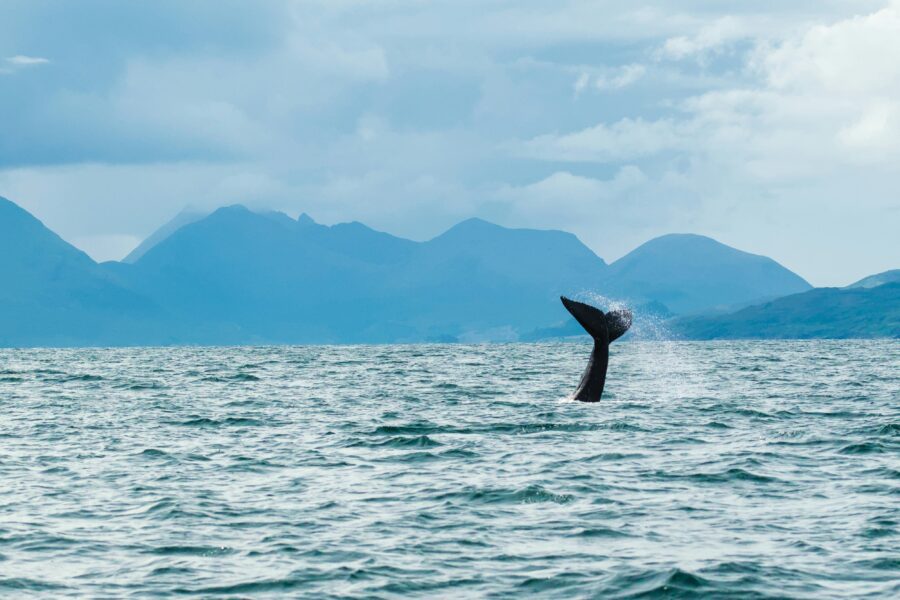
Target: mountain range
point(869, 308)
point(241, 277)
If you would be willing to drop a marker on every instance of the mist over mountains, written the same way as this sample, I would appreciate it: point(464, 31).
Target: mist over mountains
point(238, 277)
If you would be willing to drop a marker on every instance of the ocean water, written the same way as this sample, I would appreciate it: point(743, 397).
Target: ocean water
point(728, 469)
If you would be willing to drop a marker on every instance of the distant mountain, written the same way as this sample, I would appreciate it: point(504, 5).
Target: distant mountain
point(266, 277)
point(242, 277)
point(858, 312)
point(479, 281)
point(691, 273)
point(269, 277)
point(54, 294)
point(185, 217)
point(877, 279)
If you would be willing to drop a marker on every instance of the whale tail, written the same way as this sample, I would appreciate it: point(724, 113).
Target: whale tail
point(604, 327)
point(592, 319)
point(618, 322)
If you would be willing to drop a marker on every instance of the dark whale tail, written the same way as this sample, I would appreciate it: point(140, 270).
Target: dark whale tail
point(604, 328)
point(598, 324)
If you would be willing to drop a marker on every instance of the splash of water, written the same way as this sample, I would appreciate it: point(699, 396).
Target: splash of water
point(657, 351)
point(646, 326)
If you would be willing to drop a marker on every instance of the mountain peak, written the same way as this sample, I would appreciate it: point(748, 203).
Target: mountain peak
point(22, 232)
point(677, 248)
point(279, 217)
point(8, 209)
point(233, 209)
point(240, 276)
point(28, 247)
point(472, 226)
point(683, 240)
point(877, 279)
point(472, 222)
point(306, 220)
point(689, 272)
point(185, 217)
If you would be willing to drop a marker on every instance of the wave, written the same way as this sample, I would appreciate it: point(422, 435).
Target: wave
point(729, 475)
point(529, 495)
point(192, 551)
point(863, 448)
point(25, 584)
point(226, 422)
point(237, 377)
point(421, 457)
point(504, 428)
point(422, 441)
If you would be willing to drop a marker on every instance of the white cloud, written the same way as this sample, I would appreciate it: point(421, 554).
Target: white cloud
point(106, 205)
point(563, 190)
point(609, 79)
point(710, 38)
point(877, 129)
point(724, 118)
point(853, 57)
point(623, 140)
point(804, 147)
point(26, 61)
point(581, 83)
point(20, 61)
point(623, 78)
point(571, 202)
point(829, 96)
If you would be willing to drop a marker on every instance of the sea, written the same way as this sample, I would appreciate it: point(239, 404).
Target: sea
point(734, 469)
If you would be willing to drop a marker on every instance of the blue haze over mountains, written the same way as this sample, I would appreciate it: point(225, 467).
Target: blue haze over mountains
point(241, 277)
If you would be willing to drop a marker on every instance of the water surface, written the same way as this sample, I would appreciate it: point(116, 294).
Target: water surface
point(736, 469)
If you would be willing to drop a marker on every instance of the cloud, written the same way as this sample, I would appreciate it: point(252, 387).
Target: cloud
point(829, 96)
point(19, 61)
point(725, 118)
point(566, 197)
point(855, 57)
point(612, 80)
point(626, 76)
point(106, 206)
point(623, 140)
point(581, 83)
point(806, 141)
point(710, 38)
point(572, 202)
point(26, 61)
point(197, 107)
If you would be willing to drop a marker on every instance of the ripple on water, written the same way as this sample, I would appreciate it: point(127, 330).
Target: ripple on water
point(722, 469)
point(863, 448)
point(400, 441)
point(529, 495)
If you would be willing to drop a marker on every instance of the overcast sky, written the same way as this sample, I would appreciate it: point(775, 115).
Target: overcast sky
point(771, 126)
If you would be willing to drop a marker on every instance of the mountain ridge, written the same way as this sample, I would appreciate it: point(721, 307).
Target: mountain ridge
point(239, 276)
point(852, 312)
point(877, 279)
point(55, 294)
point(651, 272)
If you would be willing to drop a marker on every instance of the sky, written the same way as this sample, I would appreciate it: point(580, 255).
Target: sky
point(771, 126)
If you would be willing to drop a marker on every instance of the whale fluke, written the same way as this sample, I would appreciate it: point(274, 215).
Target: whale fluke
point(592, 319)
point(618, 322)
point(604, 328)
